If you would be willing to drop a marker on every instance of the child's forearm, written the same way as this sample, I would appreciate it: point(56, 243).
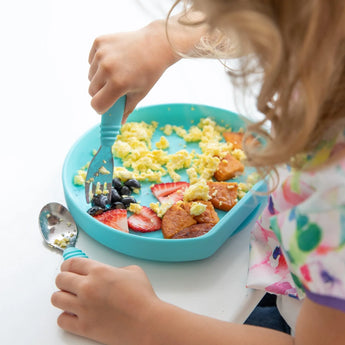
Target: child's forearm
point(189, 35)
point(178, 38)
point(174, 326)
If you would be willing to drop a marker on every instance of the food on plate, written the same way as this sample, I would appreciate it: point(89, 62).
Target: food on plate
point(197, 191)
point(208, 216)
point(235, 138)
point(198, 177)
point(115, 218)
point(163, 143)
point(120, 197)
point(195, 230)
point(135, 208)
point(144, 221)
point(228, 168)
point(135, 147)
point(169, 191)
point(197, 208)
point(223, 194)
point(178, 218)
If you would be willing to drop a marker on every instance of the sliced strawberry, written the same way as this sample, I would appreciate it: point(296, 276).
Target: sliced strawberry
point(173, 197)
point(145, 221)
point(116, 218)
point(163, 191)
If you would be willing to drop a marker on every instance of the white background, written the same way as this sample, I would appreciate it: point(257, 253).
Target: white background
point(45, 108)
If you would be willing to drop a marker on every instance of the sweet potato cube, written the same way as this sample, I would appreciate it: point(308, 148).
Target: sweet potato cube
point(228, 168)
point(235, 138)
point(195, 230)
point(224, 194)
point(209, 215)
point(175, 219)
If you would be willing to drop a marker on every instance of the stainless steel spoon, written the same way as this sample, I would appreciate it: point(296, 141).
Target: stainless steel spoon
point(59, 230)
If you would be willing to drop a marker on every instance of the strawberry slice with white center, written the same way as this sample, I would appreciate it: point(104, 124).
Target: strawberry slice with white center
point(145, 221)
point(116, 218)
point(169, 191)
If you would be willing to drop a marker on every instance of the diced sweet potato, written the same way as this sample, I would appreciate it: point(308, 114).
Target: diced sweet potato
point(179, 220)
point(209, 215)
point(228, 168)
point(195, 230)
point(235, 138)
point(224, 194)
point(176, 219)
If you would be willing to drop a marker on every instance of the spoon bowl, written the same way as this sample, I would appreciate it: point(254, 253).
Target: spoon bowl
point(59, 229)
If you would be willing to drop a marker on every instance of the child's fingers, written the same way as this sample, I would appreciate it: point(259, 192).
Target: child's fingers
point(93, 50)
point(69, 323)
point(69, 282)
point(78, 265)
point(98, 81)
point(94, 66)
point(65, 301)
point(105, 98)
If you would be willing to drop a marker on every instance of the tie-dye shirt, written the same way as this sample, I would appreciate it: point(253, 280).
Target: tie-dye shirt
point(298, 243)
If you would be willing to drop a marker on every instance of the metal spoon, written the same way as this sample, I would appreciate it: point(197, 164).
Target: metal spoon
point(59, 230)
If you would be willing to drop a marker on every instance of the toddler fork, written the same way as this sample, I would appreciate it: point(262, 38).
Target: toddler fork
point(100, 172)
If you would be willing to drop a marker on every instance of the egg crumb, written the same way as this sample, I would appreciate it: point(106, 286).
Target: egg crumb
point(239, 154)
point(62, 243)
point(163, 143)
point(197, 208)
point(160, 209)
point(197, 191)
point(80, 178)
point(243, 188)
point(102, 170)
point(135, 207)
point(167, 130)
point(253, 178)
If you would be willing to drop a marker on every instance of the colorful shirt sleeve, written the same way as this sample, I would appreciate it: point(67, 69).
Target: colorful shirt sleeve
point(312, 235)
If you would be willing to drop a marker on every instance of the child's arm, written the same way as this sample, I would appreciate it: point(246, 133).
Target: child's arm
point(131, 63)
point(118, 306)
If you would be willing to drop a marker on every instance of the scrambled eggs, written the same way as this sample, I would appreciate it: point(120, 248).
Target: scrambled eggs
point(140, 161)
point(147, 161)
point(197, 208)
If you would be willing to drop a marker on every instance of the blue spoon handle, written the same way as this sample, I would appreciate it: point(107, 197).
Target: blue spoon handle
point(72, 252)
point(111, 122)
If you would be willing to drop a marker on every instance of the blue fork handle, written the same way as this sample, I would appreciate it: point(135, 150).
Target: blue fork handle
point(72, 252)
point(111, 122)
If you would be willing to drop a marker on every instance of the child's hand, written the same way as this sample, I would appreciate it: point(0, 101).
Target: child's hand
point(128, 63)
point(104, 303)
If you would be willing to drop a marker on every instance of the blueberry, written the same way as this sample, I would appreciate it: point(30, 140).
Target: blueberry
point(117, 204)
point(114, 196)
point(128, 200)
point(132, 183)
point(117, 184)
point(95, 210)
point(100, 200)
point(125, 191)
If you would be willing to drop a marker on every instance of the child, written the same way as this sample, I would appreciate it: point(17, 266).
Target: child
point(298, 244)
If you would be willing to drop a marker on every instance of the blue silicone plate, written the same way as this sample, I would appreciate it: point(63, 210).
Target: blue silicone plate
point(152, 245)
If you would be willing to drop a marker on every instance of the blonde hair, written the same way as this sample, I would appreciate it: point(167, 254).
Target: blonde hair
point(299, 49)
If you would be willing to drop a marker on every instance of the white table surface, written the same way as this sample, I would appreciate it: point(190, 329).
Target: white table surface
point(44, 108)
